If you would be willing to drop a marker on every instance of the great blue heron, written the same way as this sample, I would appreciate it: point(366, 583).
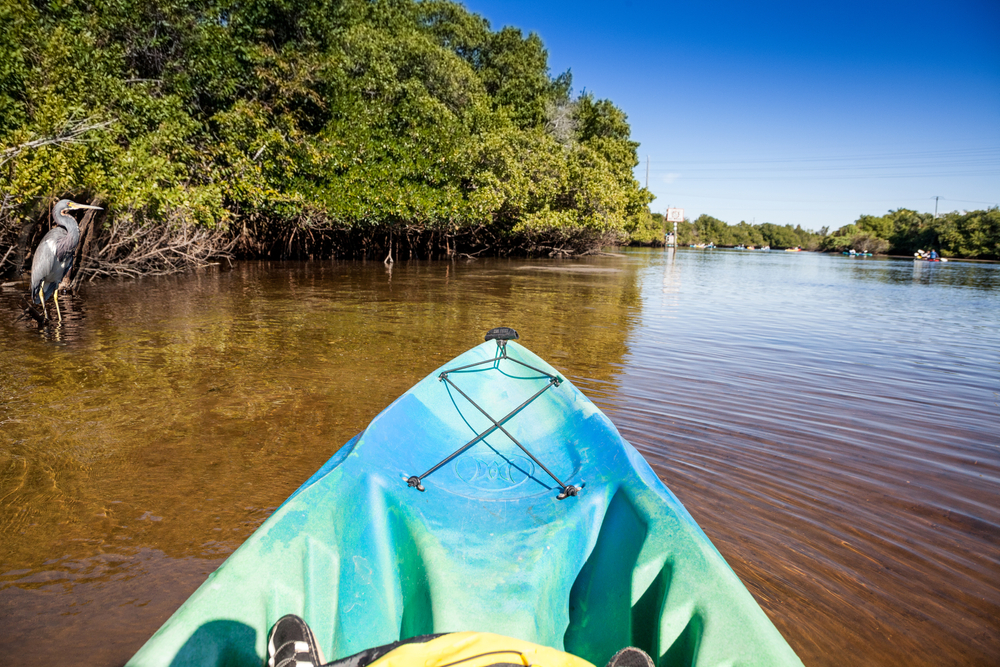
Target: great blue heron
point(54, 255)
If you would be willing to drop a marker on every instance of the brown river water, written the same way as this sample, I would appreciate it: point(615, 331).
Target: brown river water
point(833, 424)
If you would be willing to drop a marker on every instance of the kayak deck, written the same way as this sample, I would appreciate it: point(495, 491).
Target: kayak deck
point(367, 559)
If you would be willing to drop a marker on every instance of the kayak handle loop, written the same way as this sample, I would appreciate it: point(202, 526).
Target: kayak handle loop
point(501, 335)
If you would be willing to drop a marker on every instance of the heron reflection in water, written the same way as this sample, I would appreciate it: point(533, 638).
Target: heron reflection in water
point(54, 255)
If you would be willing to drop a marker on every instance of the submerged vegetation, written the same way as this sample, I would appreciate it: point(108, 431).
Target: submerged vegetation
point(299, 129)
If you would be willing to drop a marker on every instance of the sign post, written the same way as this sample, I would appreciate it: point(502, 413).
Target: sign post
point(674, 215)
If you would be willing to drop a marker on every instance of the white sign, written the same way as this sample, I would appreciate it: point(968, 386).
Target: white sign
point(675, 215)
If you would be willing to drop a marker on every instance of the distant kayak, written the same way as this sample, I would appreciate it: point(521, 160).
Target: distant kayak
point(491, 497)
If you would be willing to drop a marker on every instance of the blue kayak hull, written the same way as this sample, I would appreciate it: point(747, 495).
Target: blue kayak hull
point(366, 559)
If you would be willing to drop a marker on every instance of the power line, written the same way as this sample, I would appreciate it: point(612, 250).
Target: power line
point(760, 204)
point(803, 201)
point(970, 152)
point(992, 162)
point(751, 177)
point(972, 201)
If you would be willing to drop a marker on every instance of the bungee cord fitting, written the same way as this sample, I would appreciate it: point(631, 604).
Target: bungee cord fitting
point(501, 335)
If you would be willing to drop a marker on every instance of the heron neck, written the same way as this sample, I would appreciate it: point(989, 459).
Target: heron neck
point(69, 224)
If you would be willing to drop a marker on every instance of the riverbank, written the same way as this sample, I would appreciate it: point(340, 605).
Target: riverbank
point(416, 131)
point(966, 234)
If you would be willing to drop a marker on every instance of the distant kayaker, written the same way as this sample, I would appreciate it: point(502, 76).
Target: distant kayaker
point(934, 254)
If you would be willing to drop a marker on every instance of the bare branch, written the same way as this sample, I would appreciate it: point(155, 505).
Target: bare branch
point(135, 247)
point(70, 133)
point(9, 250)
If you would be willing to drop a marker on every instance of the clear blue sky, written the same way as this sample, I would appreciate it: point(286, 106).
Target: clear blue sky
point(808, 113)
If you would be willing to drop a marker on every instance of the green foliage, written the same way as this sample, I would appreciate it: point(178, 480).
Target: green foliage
point(14, 67)
point(838, 243)
point(514, 70)
point(268, 117)
point(707, 229)
point(974, 234)
point(859, 237)
point(711, 230)
point(910, 231)
point(648, 229)
point(745, 234)
point(882, 227)
point(779, 236)
point(685, 232)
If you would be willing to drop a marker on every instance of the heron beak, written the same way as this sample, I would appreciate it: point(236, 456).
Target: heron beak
point(74, 205)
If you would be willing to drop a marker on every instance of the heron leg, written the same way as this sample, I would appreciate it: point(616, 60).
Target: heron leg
point(41, 299)
point(55, 298)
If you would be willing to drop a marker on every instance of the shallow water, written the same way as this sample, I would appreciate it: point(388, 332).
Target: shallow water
point(832, 424)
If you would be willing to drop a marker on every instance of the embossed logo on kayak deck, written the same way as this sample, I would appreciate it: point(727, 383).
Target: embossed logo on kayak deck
point(494, 473)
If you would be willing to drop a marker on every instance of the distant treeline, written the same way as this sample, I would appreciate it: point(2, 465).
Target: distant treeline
point(706, 229)
point(972, 234)
point(297, 129)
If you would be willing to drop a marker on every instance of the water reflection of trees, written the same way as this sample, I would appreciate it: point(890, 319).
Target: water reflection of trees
point(982, 276)
point(189, 407)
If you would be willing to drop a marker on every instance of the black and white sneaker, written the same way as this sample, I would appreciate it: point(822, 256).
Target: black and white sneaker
point(631, 657)
point(292, 644)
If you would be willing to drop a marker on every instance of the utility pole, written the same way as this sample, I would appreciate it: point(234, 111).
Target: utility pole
point(935, 198)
